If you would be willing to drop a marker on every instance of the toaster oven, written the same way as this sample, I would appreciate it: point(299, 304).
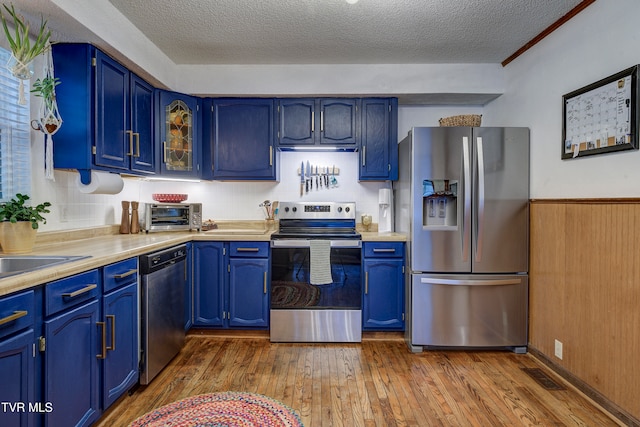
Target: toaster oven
point(171, 217)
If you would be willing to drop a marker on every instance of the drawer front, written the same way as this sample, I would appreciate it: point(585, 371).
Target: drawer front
point(120, 274)
point(249, 249)
point(69, 292)
point(383, 249)
point(16, 313)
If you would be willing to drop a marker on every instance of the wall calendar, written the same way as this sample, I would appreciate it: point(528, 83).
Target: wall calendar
point(601, 117)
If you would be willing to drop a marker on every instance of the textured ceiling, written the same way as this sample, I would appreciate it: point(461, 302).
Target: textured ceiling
point(335, 32)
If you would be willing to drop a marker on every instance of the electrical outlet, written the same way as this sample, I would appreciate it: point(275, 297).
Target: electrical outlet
point(558, 349)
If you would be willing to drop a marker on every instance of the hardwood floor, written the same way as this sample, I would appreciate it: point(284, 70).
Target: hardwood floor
point(375, 383)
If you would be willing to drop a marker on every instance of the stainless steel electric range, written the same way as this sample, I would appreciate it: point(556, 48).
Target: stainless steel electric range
point(316, 274)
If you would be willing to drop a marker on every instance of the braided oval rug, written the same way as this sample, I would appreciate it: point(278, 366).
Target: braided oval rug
point(226, 409)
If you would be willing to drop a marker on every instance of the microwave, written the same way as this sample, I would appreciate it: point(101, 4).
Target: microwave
point(171, 217)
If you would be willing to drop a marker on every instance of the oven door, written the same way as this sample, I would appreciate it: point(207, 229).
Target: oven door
point(306, 312)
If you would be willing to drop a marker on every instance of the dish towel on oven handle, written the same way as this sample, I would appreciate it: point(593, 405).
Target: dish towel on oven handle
point(320, 262)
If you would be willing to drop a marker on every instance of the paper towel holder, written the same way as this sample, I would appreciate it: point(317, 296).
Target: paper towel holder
point(85, 175)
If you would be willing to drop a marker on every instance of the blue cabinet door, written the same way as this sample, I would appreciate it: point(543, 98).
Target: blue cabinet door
point(296, 125)
point(112, 113)
point(242, 139)
point(383, 300)
point(338, 122)
point(17, 370)
point(140, 138)
point(71, 366)
point(120, 369)
point(209, 273)
point(188, 292)
point(249, 292)
point(379, 140)
point(179, 134)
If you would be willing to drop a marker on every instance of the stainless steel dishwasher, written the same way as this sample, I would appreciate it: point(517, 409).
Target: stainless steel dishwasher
point(164, 276)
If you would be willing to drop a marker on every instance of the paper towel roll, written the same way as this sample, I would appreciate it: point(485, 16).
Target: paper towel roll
point(384, 196)
point(101, 183)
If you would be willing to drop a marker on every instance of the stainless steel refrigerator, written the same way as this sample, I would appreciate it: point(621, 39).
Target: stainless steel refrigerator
point(462, 198)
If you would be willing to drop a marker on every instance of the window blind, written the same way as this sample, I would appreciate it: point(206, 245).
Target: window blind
point(15, 156)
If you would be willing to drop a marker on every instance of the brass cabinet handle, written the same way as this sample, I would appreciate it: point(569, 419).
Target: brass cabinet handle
point(103, 354)
point(127, 274)
point(130, 133)
point(366, 282)
point(113, 332)
point(137, 135)
point(15, 316)
point(248, 249)
point(264, 283)
point(79, 291)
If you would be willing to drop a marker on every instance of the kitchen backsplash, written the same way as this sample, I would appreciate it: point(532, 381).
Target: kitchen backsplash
point(220, 200)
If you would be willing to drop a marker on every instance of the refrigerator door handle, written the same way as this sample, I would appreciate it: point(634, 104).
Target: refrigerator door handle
point(480, 216)
point(466, 212)
point(474, 282)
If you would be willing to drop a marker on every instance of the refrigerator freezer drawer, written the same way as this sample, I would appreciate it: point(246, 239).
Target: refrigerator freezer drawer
point(472, 311)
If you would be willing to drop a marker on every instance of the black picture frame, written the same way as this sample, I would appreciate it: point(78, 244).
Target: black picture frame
point(601, 117)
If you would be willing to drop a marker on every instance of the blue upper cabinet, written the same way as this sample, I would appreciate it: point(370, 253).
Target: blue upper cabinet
point(178, 119)
point(378, 152)
point(107, 114)
point(321, 124)
point(297, 122)
point(239, 139)
point(141, 142)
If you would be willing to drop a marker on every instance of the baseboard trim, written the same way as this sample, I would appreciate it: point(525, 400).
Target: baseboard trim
point(616, 413)
point(263, 334)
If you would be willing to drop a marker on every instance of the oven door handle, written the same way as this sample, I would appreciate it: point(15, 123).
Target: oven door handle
point(305, 243)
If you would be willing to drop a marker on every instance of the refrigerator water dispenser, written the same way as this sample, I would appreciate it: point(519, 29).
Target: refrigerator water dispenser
point(440, 203)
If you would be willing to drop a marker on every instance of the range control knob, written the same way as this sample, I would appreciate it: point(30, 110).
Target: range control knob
point(339, 208)
point(347, 209)
point(294, 209)
point(286, 209)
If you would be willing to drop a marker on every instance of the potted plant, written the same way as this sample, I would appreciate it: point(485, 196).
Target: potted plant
point(23, 51)
point(45, 89)
point(19, 224)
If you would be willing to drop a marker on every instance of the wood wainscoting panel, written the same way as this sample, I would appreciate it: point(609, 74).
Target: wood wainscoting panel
point(585, 292)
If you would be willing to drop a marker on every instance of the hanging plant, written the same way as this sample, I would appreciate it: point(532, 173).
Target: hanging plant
point(22, 49)
point(49, 119)
point(45, 89)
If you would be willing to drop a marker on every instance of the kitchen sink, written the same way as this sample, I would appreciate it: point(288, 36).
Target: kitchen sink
point(16, 264)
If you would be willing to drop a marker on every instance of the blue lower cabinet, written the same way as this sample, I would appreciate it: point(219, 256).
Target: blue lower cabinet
point(71, 366)
point(231, 284)
point(17, 370)
point(120, 370)
point(209, 281)
point(383, 290)
point(249, 292)
point(188, 291)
